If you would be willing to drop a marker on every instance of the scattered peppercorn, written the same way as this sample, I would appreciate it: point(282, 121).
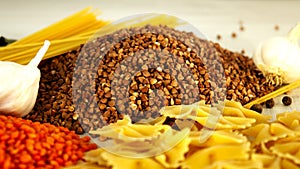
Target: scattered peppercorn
point(2, 41)
point(286, 100)
point(257, 108)
point(276, 27)
point(242, 28)
point(5, 42)
point(31, 145)
point(233, 35)
point(270, 103)
point(243, 51)
point(219, 37)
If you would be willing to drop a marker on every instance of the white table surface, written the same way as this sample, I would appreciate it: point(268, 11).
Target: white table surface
point(22, 17)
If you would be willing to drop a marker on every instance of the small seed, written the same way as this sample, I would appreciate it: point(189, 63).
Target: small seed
point(286, 100)
point(256, 107)
point(242, 28)
point(146, 73)
point(159, 69)
point(153, 81)
point(75, 116)
point(233, 35)
point(270, 103)
point(276, 27)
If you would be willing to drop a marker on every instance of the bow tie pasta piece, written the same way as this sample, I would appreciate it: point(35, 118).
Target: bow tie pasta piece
point(288, 148)
point(290, 119)
point(219, 137)
point(173, 157)
point(235, 164)
point(86, 165)
point(118, 162)
point(94, 156)
point(178, 111)
point(124, 129)
point(205, 157)
point(247, 112)
point(273, 162)
point(266, 160)
point(227, 122)
point(263, 133)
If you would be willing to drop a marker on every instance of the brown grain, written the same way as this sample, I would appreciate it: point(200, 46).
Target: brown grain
point(155, 85)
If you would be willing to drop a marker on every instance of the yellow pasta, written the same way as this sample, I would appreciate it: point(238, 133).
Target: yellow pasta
point(273, 162)
point(86, 165)
point(236, 164)
point(227, 122)
point(290, 120)
point(287, 164)
point(94, 156)
point(65, 35)
point(264, 148)
point(290, 150)
point(218, 137)
point(173, 157)
point(266, 160)
point(207, 156)
point(73, 31)
point(247, 112)
point(263, 133)
point(118, 162)
point(124, 129)
point(241, 139)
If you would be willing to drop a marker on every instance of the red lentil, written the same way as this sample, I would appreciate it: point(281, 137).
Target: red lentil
point(30, 145)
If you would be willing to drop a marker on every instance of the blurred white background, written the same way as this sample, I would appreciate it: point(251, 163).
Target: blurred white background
point(20, 18)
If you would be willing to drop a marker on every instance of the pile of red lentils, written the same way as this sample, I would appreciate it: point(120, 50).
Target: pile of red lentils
point(31, 145)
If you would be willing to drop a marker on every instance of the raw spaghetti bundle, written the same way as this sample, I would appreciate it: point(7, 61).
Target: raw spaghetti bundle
point(64, 35)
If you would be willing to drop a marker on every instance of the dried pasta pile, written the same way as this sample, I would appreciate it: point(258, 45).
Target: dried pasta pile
point(65, 35)
point(241, 139)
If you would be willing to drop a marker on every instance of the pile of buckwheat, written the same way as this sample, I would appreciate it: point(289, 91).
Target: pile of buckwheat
point(137, 71)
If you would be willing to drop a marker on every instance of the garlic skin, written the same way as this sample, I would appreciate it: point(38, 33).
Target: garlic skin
point(19, 85)
point(279, 57)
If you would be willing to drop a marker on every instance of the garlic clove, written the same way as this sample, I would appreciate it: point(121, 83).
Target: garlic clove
point(278, 57)
point(19, 86)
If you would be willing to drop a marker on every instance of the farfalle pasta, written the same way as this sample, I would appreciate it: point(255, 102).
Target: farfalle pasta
point(173, 157)
point(219, 137)
point(118, 162)
point(207, 156)
point(288, 148)
point(236, 138)
point(271, 161)
point(290, 120)
point(263, 133)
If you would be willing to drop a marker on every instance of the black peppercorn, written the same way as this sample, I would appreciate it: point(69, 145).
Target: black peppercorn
point(270, 103)
point(257, 108)
point(286, 100)
point(3, 41)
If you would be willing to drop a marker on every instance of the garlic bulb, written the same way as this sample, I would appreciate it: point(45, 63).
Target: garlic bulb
point(279, 57)
point(19, 85)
